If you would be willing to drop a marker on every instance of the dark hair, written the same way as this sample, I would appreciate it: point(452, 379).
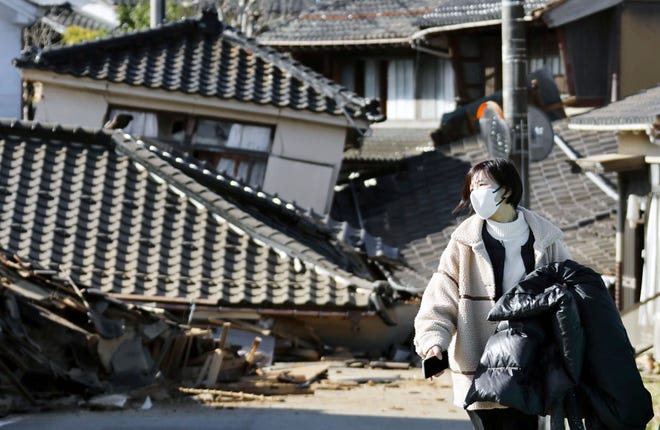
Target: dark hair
point(499, 170)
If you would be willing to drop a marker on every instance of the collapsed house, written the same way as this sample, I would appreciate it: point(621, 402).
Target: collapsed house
point(117, 217)
point(105, 221)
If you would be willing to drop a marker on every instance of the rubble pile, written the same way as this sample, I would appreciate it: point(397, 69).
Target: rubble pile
point(58, 339)
point(66, 345)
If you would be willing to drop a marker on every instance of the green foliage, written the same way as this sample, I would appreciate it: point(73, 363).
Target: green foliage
point(136, 17)
point(75, 34)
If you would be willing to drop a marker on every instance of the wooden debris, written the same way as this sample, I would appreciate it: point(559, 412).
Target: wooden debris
point(220, 394)
point(214, 368)
point(299, 374)
point(249, 359)
point(266, 387)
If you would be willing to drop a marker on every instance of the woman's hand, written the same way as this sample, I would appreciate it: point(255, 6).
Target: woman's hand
point(435, 350)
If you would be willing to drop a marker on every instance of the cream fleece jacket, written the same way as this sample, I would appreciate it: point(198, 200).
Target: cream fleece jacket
point(461, 292)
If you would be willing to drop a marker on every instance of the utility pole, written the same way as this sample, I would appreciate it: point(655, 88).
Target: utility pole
point(514, 87)
point(156, 13)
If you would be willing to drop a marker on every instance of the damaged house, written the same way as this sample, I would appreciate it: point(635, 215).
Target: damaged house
point(636, 162)
point(587, 54)
point(202, 88)
point(144, 226)
point(252, 142)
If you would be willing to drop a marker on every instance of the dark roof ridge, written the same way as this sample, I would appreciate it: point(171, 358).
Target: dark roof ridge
point(167, 31)
point(28, 128)
point(307, 220)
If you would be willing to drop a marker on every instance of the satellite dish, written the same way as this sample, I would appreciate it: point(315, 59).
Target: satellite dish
point(494, 130)
point(541, 135)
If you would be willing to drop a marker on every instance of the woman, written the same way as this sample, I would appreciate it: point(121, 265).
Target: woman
point(488, 254)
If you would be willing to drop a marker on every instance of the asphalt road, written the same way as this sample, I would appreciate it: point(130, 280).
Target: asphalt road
point(225, 419)
point(382, 399)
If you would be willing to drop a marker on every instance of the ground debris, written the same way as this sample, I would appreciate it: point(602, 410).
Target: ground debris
point(59, 339)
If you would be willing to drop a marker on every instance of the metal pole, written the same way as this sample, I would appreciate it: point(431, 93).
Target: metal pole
point(156, 13)
point(514, 87)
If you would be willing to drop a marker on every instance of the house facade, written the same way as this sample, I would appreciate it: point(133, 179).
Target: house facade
point(14, 16)
point(202, 88)
point(592, 49)
point(636, 162)
point(367, 47)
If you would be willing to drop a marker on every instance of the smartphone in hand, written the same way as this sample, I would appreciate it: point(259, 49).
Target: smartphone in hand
point(433, 365)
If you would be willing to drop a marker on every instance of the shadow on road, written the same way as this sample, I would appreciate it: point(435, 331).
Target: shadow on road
point(224, 419)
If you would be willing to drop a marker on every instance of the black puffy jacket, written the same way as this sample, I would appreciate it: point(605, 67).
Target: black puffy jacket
point(561, 349)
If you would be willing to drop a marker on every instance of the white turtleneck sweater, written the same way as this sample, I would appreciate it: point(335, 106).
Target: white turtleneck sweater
point(513, 235)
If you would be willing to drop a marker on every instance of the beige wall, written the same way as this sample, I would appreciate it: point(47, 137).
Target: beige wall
point(637, 143)
point(63, 106)
point(308, 185)
point(305, 161)
point(640, 38)
point(305, 157)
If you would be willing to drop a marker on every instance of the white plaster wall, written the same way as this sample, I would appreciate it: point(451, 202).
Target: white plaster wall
point(637, 143)
point(309, 141)
point(305, 156)
point(68, 107)
point(10, 78)
point(309, 185)
point(305, 162)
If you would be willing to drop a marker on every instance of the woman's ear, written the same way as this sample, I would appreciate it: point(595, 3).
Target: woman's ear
point(505, 195)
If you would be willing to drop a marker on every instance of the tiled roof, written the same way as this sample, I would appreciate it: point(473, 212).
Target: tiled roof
point(337, 241)
point(203, 57)
point(637, 111)
point(119, 218)
point(391, 144)
point(453, 12)
point(351, 21)
point(411, 209)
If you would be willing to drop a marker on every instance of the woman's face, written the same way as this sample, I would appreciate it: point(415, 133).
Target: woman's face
point(480, 180)
point(491, 202)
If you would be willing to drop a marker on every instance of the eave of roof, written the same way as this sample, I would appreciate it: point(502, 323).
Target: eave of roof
point(586, 126)
point(637, 112)
point(337, 42)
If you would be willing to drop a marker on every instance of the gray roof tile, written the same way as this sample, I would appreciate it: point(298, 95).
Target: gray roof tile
point(203, 57)
point(452, 12)
point(637, 111)
point(350, 21)
point(120, 230)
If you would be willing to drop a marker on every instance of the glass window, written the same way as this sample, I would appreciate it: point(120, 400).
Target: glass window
point(425, 93)
point(436, 88)
point(143, 124)
point(401, 89)
point(238, 150)
point(372, 79)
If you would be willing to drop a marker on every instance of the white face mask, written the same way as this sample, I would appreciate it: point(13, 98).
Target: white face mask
point(483, 202)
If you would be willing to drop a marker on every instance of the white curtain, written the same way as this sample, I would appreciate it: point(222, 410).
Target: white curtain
point(649, 315)
point(401, 89)
point(371, 79)
point(251, 137)
point(436, 93)
point(143, 123)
